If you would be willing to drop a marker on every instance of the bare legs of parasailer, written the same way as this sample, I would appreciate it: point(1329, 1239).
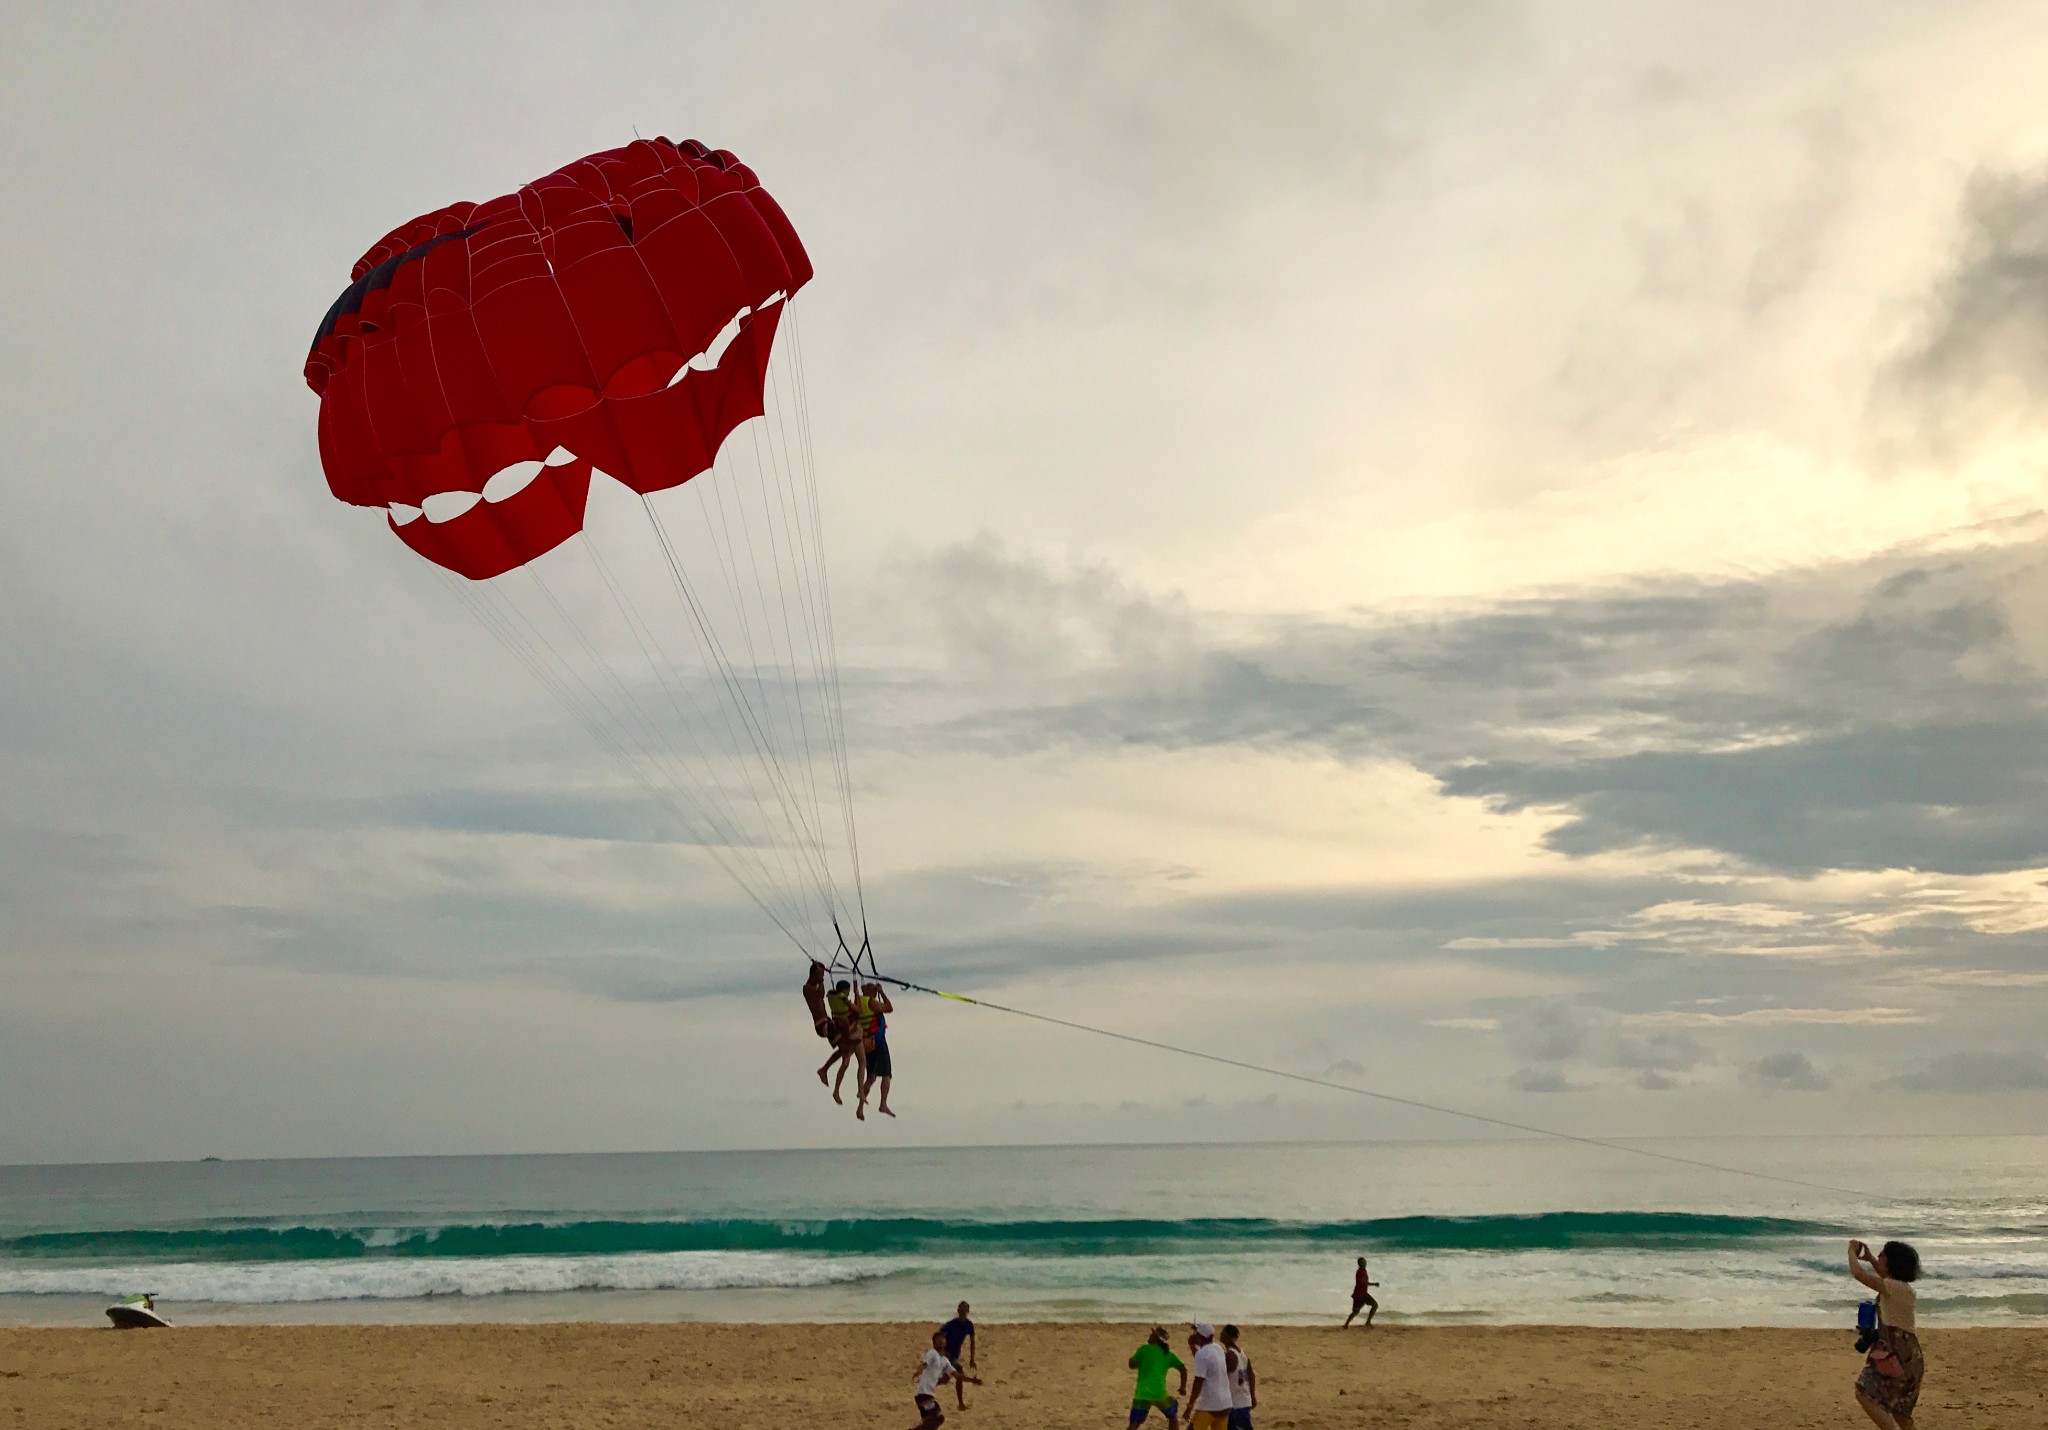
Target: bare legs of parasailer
point(853, 1053)
point(846, 1039)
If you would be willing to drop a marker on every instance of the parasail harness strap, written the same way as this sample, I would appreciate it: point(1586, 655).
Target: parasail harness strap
point(860, 962)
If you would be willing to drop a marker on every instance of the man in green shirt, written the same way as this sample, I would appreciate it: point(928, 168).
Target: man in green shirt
point(1152, 1361)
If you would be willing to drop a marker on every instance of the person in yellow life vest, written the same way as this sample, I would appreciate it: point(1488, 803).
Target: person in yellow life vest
point(849, 1045)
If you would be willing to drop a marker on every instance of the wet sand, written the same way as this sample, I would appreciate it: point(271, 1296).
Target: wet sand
point(750, 1377)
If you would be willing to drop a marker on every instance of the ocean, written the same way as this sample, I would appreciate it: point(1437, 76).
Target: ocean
point(1501, 1231)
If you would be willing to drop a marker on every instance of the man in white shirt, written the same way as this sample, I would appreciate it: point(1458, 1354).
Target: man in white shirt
point(932, 1372)
point(1209, 1397)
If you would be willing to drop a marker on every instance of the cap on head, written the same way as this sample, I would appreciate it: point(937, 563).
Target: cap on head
point(1204, 1331)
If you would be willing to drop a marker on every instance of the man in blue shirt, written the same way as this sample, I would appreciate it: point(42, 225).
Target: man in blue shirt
point(870, 1013)
point(959, 1332)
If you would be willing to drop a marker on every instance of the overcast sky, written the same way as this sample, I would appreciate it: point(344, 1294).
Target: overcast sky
point(1492, 551)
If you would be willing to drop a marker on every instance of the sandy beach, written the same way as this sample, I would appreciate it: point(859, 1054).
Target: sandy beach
point(753, 1377)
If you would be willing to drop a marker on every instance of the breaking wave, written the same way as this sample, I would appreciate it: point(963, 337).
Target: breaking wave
point(871, 1235)
point(401, 1278)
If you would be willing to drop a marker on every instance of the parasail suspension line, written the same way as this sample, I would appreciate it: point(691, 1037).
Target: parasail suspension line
point(1357, 1091)
point(619, 741)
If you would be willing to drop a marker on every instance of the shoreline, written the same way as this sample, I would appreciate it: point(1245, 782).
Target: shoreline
point(756, 1376)
point(729, 1307)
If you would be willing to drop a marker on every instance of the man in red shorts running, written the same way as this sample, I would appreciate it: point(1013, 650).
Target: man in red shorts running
point(1361, 1295)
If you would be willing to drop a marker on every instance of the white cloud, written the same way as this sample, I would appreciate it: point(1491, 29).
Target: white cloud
point(1583, 939)
point(1749, 915)
point(1779, 1018)
point(1985, 978)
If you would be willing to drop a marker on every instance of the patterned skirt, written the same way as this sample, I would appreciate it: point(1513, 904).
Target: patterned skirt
point(1895, 1393)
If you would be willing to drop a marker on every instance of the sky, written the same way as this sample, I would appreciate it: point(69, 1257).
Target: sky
point(1492, 552)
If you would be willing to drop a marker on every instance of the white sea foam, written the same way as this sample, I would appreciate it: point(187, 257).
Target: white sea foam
point(404, 1278)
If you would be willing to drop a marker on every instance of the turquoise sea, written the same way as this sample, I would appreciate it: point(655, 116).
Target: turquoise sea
point(1503, 1231)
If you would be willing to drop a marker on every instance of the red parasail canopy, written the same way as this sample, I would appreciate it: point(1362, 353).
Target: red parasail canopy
point(616, 315)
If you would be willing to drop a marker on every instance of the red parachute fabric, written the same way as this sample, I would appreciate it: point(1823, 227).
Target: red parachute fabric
point(616, 317)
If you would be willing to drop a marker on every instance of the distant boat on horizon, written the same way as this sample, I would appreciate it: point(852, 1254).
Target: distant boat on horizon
point(209, 1159)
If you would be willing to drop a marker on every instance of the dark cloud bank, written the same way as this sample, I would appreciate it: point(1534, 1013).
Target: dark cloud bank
point(1787, 1072)
point(1882, 715)
point(1976, 1071)
point(1983, 352)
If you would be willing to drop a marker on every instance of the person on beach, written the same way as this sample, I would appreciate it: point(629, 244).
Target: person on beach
point(846, 1042)
point(1209, 1399)
point(1244, 1382)
point(959, 1333)
point(1361, 1295)
point(1889, 1386)
point(872, 1012)
point(1152, 1361)
point(932, 1372)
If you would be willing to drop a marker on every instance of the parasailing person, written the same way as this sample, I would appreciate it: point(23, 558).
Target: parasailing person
point(849, 1044)
point(873, 1010)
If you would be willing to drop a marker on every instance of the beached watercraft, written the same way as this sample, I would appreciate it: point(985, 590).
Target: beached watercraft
point(136, 1313)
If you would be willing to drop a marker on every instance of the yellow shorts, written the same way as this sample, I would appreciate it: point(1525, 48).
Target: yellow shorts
point(1210, 1420)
